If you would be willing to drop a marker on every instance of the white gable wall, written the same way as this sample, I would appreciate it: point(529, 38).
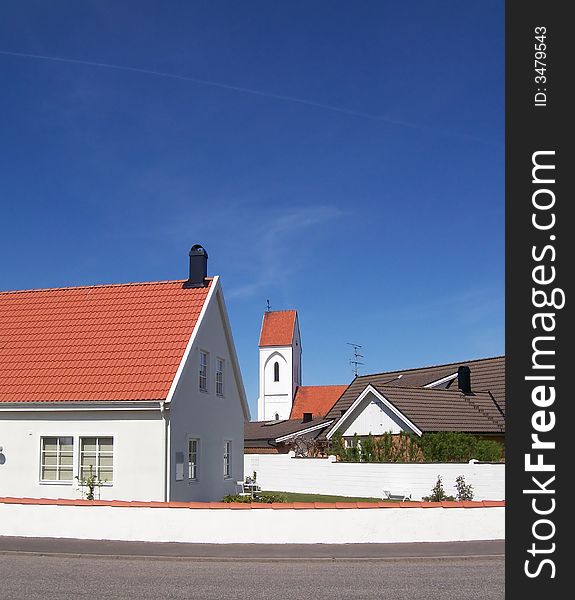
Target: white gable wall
point(372, 416)
point(138, 451)
point(206, 416)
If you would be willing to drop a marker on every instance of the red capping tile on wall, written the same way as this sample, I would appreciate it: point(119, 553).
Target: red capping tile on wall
point(203, 505)
point(321, 505)
point(281, 505)
point(240, 505)
point(368, 505)
point(410, 504)
point(431, 505)
point(220, 504)
point(451, 504)
point(304, 505)
point(471, 503)
point(175, 504)
point(492, 503)
point(384, 504)
point(256, 505)
point(345, 505)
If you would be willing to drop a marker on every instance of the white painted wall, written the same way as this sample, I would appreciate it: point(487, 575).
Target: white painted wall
point(138, 452)
point(264, 526)
point(282, 472)
point(206, 416)
point(372, 417)
point(275, 396)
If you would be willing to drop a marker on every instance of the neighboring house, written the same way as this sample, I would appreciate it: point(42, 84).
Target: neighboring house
point(137, 383)
point(466, 396)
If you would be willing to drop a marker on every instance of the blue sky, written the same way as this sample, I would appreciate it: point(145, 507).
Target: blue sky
point(342, 158)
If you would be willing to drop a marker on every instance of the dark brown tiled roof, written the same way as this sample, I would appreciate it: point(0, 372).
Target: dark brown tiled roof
point(271, 430)
point(439, 409)
point(445, 410)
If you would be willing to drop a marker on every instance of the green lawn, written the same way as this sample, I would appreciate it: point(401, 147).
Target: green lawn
point(293, 497)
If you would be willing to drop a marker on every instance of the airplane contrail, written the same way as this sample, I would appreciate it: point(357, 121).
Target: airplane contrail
point(243, 90)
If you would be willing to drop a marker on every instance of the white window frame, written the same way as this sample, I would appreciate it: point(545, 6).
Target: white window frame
point(99, 453)
point(220, 374)
point(203, 371)
point(227, 459)
point(196, 465)
point(56, 481)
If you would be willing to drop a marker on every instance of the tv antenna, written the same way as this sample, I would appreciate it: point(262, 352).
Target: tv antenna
point(268, 306)
point(354, 360)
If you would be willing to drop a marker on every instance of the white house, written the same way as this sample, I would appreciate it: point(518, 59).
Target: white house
point(137, 383)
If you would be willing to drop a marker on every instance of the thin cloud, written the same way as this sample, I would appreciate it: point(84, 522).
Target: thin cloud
point(243, 90)
point(276, 238)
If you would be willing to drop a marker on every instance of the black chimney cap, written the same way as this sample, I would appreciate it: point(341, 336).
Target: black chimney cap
point(464, 379)
point(198, 267)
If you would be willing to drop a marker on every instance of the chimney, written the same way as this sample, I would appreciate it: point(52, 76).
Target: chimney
point(198, 267)
point(464, 379)
point(307, 417)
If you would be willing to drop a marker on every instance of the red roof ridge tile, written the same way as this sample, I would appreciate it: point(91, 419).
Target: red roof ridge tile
point(97, 285)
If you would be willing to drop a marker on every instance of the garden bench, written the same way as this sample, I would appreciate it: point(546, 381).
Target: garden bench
point(387, 495)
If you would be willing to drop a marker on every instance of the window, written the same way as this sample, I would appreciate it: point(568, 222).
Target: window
point(277, 417)
point(227, 459)
point(203, 371)
point(57, 458)
point(97, 458)
point(276, 371)
point(193, 447)
point(220, 376)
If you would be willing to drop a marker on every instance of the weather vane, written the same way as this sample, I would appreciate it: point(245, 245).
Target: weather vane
point(268, 307)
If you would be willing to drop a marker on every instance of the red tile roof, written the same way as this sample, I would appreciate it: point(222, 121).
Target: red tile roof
point(278, 328)
point(315, 399)
point(105, 342)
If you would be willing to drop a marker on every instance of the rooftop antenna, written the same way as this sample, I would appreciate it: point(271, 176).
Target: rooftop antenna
point(268, 306)
point(354, 361)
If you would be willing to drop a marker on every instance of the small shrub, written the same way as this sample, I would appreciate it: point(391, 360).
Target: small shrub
point(464, 490)
point(264, 498)
point(437, 493)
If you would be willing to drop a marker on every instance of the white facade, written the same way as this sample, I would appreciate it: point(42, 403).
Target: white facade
point(149, 440)
point(279, 378)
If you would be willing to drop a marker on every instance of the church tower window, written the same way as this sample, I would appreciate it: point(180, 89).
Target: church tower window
point(276, 371)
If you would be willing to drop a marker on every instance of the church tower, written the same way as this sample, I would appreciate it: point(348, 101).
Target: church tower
point(280, 364)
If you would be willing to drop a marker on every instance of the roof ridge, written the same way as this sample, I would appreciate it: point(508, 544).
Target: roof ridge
point(97, 285)
point(457, 362)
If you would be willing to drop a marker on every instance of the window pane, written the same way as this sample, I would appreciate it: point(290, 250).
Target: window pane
point(106, 444)
point(50, 459)
point(49, 473)
point(106, 461)
point(66, 474)
point(50, 444)
point(88, 444)
point(66, 459)
point(66, 444)
point(106, 475)
point(88, 459)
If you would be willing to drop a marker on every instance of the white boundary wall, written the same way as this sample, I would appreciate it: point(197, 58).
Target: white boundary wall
point(282, 472)
point(296, 526)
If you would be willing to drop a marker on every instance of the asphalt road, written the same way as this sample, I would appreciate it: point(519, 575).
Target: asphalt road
point(29, 577)
point(34, 569)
